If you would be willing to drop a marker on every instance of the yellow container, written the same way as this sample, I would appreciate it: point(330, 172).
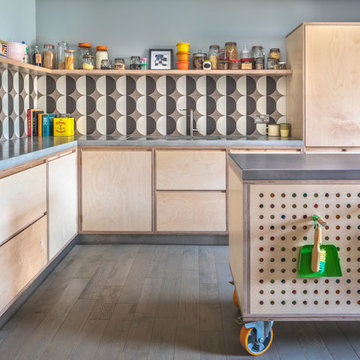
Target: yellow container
point(64, 126)
point(183, 47)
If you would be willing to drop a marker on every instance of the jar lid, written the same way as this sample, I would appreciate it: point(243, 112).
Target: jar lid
point(101, 48)
point(182, 43)
point(199, 53)
point(214, 47)
point(257, 47)
point(246, 59)
point(233, 60)
point(144, 58)
point(275, 49)
point(119, 59)
point(69, 51)
point(88, 56)
point(84, 44)
point(49, 45)
point(230, 43)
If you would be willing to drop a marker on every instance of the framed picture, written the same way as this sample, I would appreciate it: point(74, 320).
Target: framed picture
point(160, 59)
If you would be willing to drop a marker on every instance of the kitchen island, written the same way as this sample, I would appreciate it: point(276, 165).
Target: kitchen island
point(271, 200)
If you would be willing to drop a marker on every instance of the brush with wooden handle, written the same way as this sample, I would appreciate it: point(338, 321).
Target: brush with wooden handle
point(318, 256)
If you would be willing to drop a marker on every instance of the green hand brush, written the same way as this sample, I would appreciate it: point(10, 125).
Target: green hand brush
point(318, 256)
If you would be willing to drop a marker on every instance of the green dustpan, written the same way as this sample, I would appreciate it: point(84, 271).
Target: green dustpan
point(332, 263)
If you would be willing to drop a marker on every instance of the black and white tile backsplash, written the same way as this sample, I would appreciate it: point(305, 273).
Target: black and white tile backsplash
point(145, 105)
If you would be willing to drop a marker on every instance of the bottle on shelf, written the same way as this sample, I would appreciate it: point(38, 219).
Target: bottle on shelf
point(36, 57)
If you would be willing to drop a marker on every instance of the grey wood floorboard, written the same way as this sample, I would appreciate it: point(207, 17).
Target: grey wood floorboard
point(153, 302)
point(89, 340)
point(41, 337)
point(64, 340)
point(116, 332)
point(335, 342)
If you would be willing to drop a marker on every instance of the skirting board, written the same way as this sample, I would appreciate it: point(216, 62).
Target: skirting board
point(35, 284)
point(158, 239)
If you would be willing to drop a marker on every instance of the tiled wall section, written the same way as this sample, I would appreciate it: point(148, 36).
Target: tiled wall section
point(145, 105)
point(18, 93)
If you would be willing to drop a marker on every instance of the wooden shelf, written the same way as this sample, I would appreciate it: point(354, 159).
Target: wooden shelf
point(16, 65)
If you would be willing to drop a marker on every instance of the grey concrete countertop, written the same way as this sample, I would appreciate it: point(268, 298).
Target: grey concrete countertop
point(19, 151)
point(297, 166)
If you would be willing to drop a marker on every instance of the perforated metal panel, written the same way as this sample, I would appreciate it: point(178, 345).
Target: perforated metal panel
point(280, 223)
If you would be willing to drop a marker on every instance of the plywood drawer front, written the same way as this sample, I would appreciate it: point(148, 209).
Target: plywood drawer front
point(22, 200)
point(21, 259)
point(191, 211)
point(116, 191)
point(191, 170)
point(63, 202)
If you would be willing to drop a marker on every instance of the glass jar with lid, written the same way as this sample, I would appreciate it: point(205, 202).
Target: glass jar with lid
point(69, 59)
point(231, 50)
point(258, 56)
point(214, 56)
point(135, 63)
point(101, 54)
point(88, 62)
point(223, 55)
point(198, 60)
point(119, 64)
point(106, 64)
point(61, 47)
point(84, 48)
point(49, 56)
point(234, 64)
point(275, 53)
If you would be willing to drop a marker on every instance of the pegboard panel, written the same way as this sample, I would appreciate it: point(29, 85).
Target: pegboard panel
point(280, 223)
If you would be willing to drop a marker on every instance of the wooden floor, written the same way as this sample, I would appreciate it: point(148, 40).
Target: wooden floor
point(152, 302)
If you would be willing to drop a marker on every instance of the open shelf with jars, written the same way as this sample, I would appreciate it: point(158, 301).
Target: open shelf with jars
point(19, 66)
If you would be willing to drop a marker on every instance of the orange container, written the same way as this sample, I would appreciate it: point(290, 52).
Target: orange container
point(183, 65)
point(183, 56)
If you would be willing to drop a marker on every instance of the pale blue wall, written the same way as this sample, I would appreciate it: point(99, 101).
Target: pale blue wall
point(130, 27)
point(18, 20)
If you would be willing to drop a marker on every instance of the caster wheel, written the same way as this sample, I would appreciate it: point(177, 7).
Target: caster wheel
point(248, 341)
point(235, 299)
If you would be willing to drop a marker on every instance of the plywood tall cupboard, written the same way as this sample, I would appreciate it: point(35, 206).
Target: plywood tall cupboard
point(323, 92)
point(62, 202)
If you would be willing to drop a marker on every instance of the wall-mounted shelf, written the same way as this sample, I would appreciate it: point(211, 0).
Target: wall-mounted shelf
point(16, 65)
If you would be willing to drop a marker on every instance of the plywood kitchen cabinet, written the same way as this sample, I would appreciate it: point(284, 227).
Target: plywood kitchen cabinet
point(22, 200)
point(190, 170)
point(191, 211)
point(21, 260)
point(116, 190)
point(323, 92)
point(63, 201)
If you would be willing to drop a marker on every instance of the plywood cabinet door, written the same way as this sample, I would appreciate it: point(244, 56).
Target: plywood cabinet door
point(332, 85)
point(22, 200)
point(63, 202)
point(116, 188)
point(21, 260)
point(190, 170)
point(191, 211)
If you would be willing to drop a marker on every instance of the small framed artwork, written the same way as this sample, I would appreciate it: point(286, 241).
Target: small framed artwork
point(160, 59)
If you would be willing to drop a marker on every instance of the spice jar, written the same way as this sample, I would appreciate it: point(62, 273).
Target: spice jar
point(88, 62)
point(234, 64)
point(223, 55)
point(144, 63)
point(135, 63)
point(275, 53)
point(105, 64)
point(214, 56)
point(258, 56)
point(69, 59)
point(49, 56)
point(246, 64)
point(84, 49)
point(198, 60)
point(282, 65)
point(272, 63)
point(101, 54)
point(223, 65)
point(231, 50)
point(61, 47)
point(119, 64)
point(36, 58)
